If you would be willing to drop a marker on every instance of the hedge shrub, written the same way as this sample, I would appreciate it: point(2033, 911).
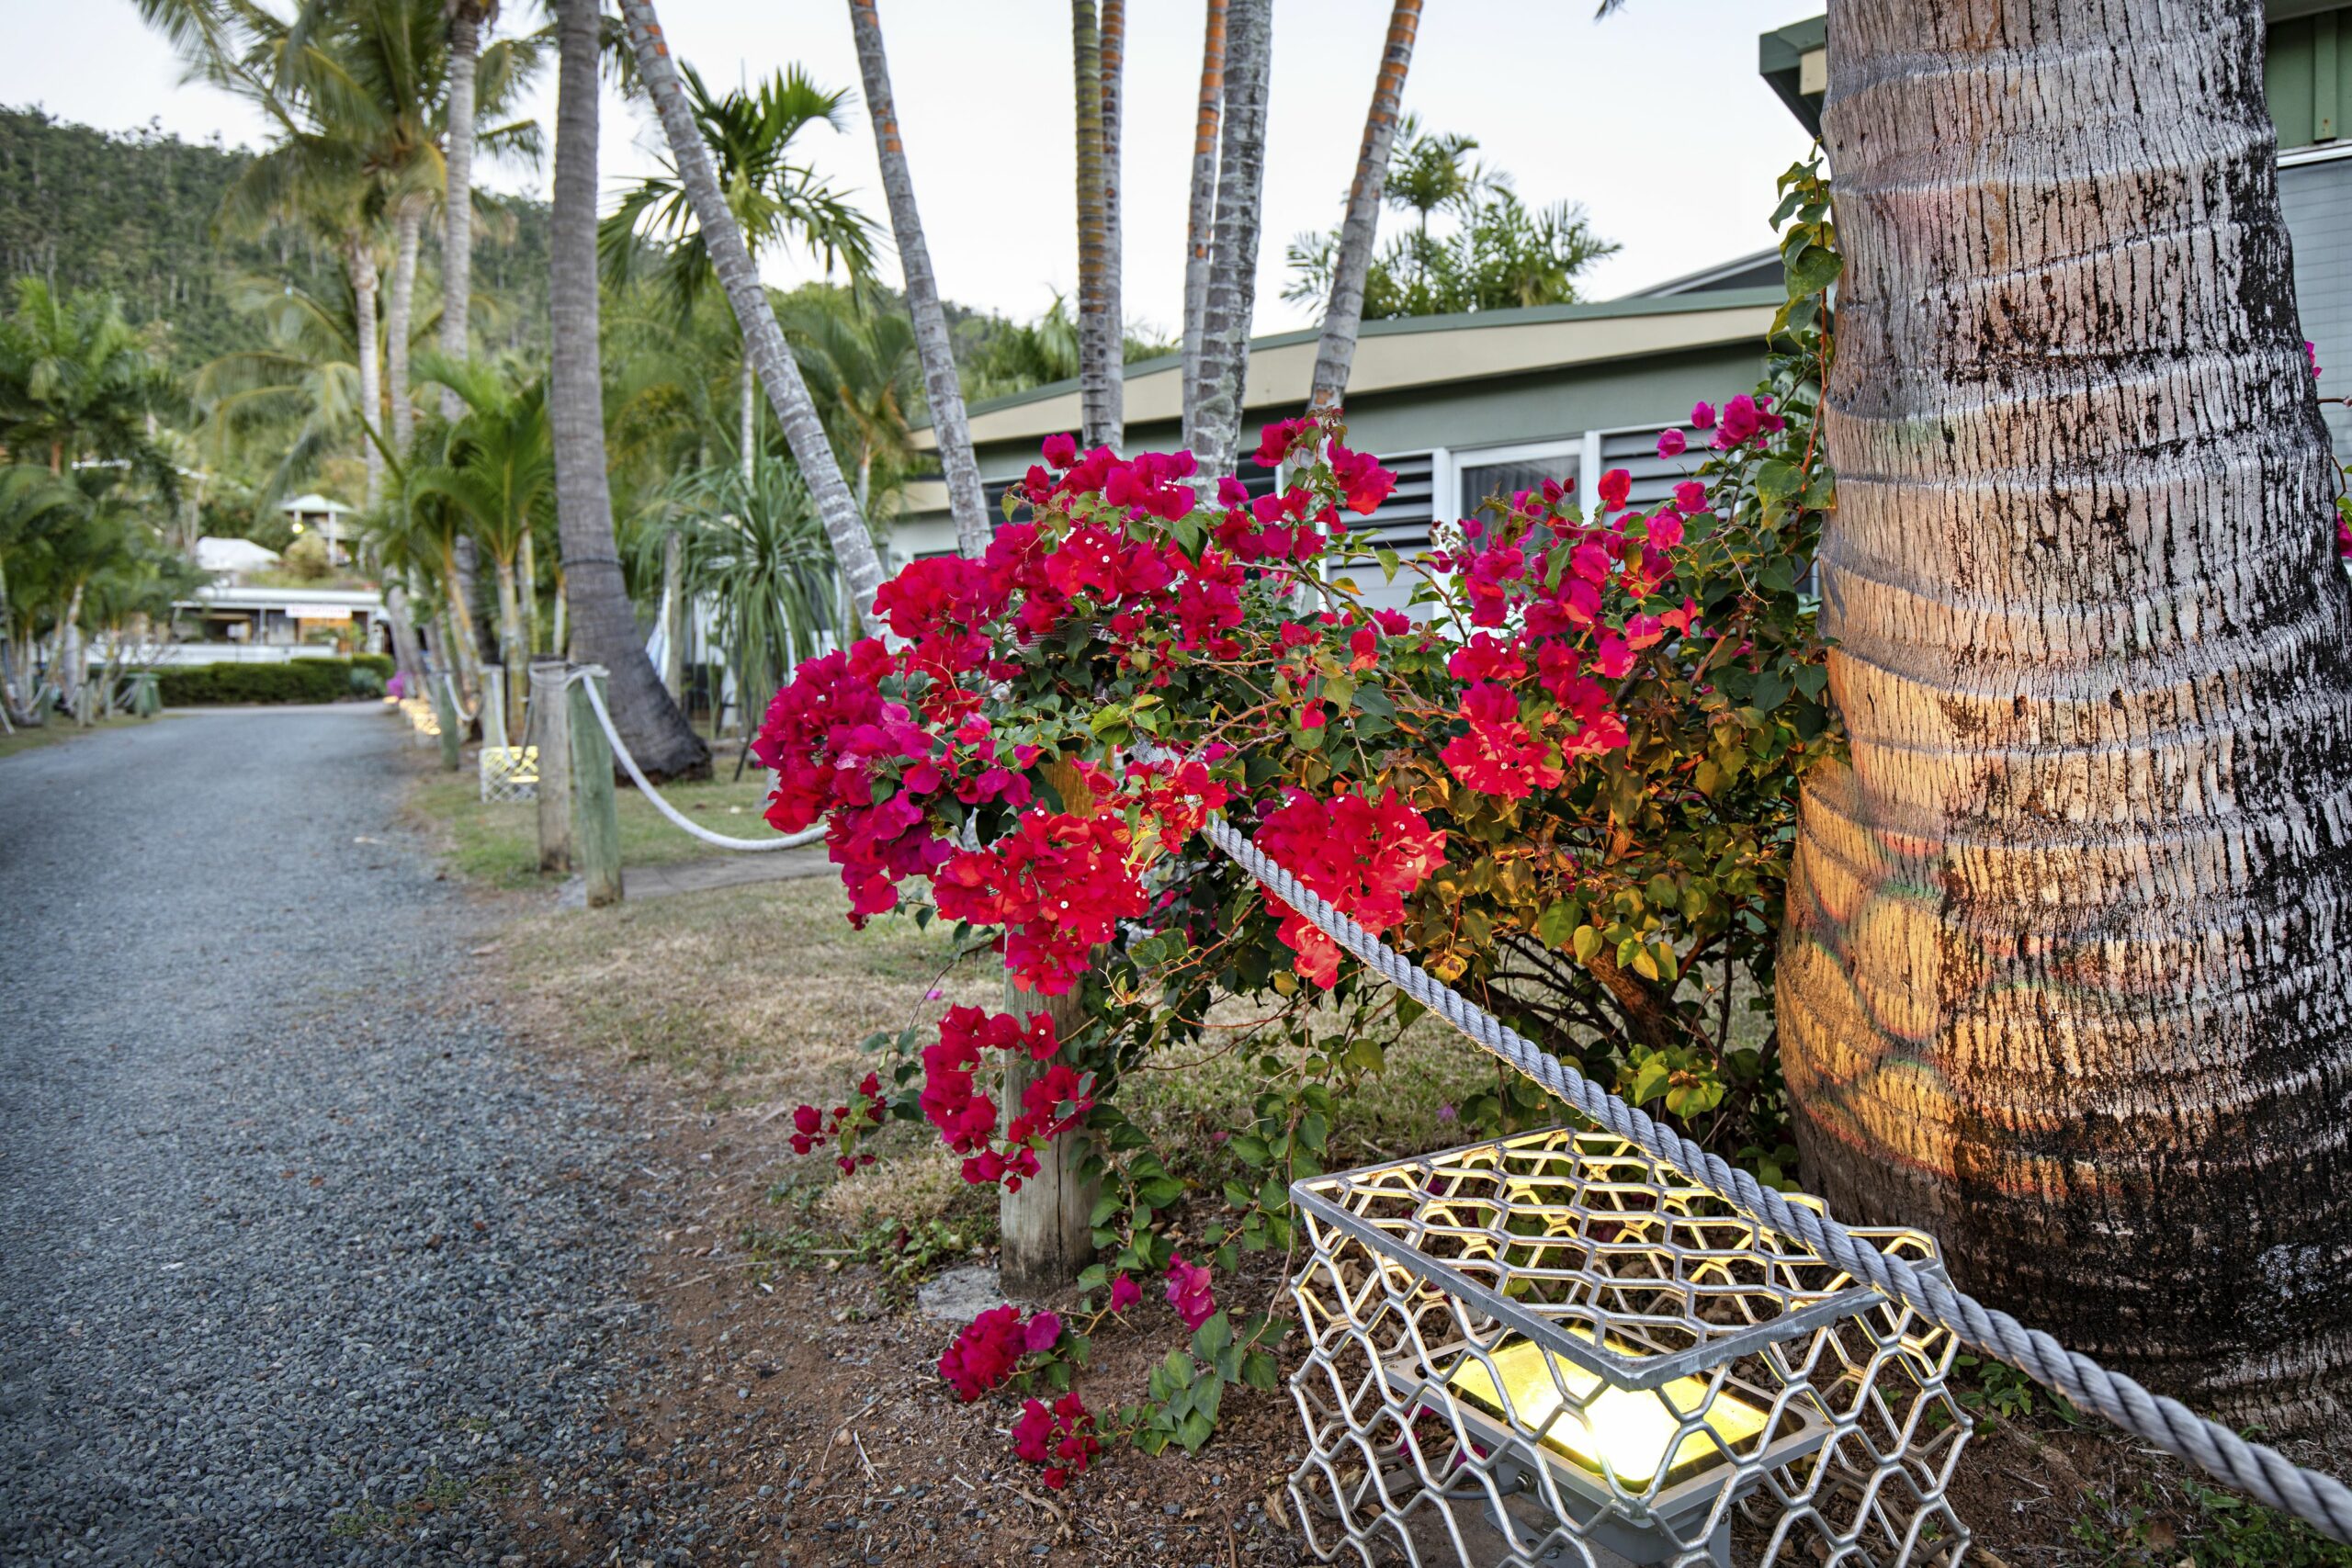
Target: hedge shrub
point(297, 681)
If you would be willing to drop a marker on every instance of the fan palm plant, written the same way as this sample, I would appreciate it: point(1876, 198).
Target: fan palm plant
point(862, 368)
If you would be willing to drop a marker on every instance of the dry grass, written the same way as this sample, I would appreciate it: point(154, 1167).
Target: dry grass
point(499, 844)
point(58, 730)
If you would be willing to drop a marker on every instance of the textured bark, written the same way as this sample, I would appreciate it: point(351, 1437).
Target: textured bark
point(2063, 978)
point(457, 207)
point(361, 270)
point(1335, 352)
point(1114, 52)
point(967, 500)
point(1098, 380)
point(854, 551)
point(1199, 230)
point(400, 313)
point(602, 627)
point(674, 614)
point(1233, 271)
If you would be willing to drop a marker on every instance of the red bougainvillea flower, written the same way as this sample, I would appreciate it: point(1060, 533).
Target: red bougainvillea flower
point(1691, 497)
point(1058, 884)
point(1670, 444)
point(1061, 1439)
point(2310, 355)
point(1615, 487)
point(1188, 1292)
point(1362, 480)
point(1275, 440)
point(1499, 754)
point(986, 1352)
point(1364, 855)
point(1043, 1333)
point(1061, 450)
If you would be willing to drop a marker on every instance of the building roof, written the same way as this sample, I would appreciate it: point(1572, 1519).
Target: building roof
point(232, 554)
point(303, 505)
point(1417, 351)
point(239, 596)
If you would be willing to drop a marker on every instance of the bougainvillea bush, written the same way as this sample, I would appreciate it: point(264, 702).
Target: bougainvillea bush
point(1563, 779)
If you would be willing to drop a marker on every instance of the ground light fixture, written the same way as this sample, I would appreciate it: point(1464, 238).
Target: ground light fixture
point(1551, 1349)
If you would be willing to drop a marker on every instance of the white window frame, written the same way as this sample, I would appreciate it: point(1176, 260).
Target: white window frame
point(1446, 476)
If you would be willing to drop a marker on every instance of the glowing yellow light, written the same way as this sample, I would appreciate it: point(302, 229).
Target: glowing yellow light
point(1631, 1426)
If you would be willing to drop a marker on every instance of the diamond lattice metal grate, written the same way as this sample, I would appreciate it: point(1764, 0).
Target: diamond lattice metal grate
point(1553, 1350)
point(509, 772)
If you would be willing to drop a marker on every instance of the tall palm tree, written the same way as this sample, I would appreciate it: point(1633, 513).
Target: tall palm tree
point(33, 502)
point(603, 626)
point(775, 200)
point(854, 550)
point(1100, 386)
point(300, 393)
point(1335, 352)
point(1200, 230)
point(496, 468)
point(1233, 274)
point(467, 21)
point(943, 389)
point(2064, 978)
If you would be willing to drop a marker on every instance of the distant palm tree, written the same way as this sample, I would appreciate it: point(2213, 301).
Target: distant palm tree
point(776, 201)
point(863, 369)
point(496, 466)
point(1215, 423)
point(299, 392)
point(1352, 260)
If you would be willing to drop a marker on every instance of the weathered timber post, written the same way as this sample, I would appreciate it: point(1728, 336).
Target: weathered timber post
point(596, 821)
point(1047, 1228)
point(548, 723)
point(446, 714)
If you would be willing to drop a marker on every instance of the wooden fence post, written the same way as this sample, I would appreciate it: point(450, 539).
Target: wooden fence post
point(452, 722)
point(548, 722)
point(596, 820)
point(1046, 1229)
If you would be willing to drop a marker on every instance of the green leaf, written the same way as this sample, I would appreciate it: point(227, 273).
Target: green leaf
point(1179, 1367)
point(1251, 1149)
point(1813, 269)
point(1390, 562)
point(1650, 1081)
point(1556, 925)
point(1193, 1430)
point(1259, 1370)
point(1160, 1191)
point(1587, 943)
point(1372, 700)
point(1777, 481)
point(1213, 1335)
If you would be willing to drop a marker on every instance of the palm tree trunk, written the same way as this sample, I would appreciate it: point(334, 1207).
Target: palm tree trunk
point(1099, 378)
point(457, 214)
point(69, 651)
point(400, 307)
point(674, 606)
point(603, 627)
point(1344, 314)
point(1113, 50)
point(513, 654)
point(465, 650)
point(526, 562)
point(747, 428)
point(362, 272)
point(943, 391)
point(1233, 274)
point(1199, 232)
point(844, 525)
point(2063, 975)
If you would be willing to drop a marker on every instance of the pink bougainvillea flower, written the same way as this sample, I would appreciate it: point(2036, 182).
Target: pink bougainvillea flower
point(1703, 415)
point(1670, 444)
point(1188, 1292)
point(1362, 480)
point(1124, 1292)
point(2310, 355)
point(1615, 487)
point(985, 1353)
point(1043, 1333)
point(1061, 1439)
point(1061, 450)
point(1665, 530)
point(1691, 497)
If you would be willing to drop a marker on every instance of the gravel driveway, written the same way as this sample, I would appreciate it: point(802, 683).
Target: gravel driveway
point(298, 1264)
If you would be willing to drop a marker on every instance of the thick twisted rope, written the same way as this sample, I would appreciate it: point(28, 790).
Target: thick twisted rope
point(645, 785)
point(2321, 1501)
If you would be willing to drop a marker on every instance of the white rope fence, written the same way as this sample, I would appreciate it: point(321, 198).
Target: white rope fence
point(2319, 1500)
point(645, 785)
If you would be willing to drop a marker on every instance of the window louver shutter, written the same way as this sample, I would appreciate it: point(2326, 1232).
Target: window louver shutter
point(1654, 476)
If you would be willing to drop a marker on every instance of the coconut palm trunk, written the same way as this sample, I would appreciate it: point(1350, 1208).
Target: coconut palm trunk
point(2064, 980)
point(1099, 385)
point(361, 269)
point(400, 315)
point(1200, 223)
point(1344, 314)
point(854, 551)
point(602, 625)
point(1113, 52)
point(967, 501)
point(1233, 272)
point(514, 652)
point(457, 203)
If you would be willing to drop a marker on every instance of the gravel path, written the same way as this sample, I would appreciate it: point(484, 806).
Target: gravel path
point(297, 1264)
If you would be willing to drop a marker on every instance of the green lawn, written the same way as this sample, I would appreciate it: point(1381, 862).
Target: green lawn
point(500, 844)
point(58, 730)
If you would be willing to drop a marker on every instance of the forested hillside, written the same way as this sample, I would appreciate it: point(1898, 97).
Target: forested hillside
point(133, 214)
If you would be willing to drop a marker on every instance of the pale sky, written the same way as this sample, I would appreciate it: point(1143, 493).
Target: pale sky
point(1654, 119)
